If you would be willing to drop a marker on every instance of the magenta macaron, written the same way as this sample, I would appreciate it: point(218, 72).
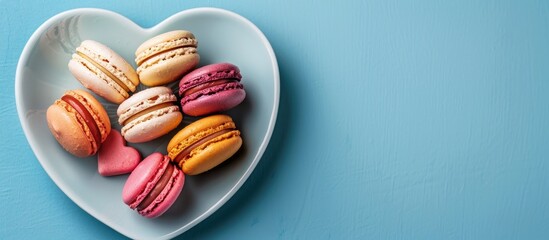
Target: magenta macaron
point(211, 88)
point(153, 186)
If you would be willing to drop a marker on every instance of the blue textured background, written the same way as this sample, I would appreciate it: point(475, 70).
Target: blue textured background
point(398, 120)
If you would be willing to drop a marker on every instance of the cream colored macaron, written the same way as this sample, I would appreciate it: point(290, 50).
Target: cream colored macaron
point(149, 114)
point(165, 58)
point(103, 71)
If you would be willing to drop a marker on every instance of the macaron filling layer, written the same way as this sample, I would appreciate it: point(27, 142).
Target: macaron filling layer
point(143, 100)
point(146, 111)
point(203, 74)
point(86, 115)
point(210, 90)
point(197, 133)
point(105, 71)
point(160, 185)
point(207, 85)
point(165, 56)
point(180, 159)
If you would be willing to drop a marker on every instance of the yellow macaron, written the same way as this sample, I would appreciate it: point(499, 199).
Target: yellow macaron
point(165, 58)
point(204, 144)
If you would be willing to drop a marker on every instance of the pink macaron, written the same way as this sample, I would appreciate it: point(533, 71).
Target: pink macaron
point(153, 186)
point(211, 88)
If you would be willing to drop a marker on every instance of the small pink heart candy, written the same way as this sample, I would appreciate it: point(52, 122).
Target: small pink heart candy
point(115, 158)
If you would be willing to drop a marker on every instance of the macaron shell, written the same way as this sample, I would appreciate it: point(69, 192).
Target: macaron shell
point(70, 129)
point(211, 154)
point(145, 104)
point(152, 125)
point(115, 63)
point(98, 83)
point(212, 100)
point(143, 179)
point(208, 73)
point(161, 38)
point(146, 98)
point(68, 132)
point(199, 129)
point(167, 197)
point(163, 42)
point(168, 67)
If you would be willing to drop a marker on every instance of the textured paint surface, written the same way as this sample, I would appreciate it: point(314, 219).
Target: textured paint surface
point(398, 120)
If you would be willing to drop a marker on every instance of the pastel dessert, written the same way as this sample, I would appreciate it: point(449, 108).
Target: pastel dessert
point(78, 122)
point(115, 158)
point(153, 186)
point(212, 88)
point(103, 71)
point(149, 114)
point(166, 57)
point(204, 144)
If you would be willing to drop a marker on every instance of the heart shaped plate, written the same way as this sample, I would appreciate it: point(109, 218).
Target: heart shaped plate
point(42, 76)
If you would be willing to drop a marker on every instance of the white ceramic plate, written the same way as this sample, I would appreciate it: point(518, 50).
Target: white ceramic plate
point(42, 76)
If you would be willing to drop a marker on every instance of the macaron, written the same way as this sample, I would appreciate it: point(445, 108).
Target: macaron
point(103, 71)
point(78, 122)
point(166, 57)
point(148, 114)
point(211, 88)
point(204, 144)
point(153, 186)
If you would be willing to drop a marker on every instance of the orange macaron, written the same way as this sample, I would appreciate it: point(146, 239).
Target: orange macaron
point(204, 144)
point(78, 122)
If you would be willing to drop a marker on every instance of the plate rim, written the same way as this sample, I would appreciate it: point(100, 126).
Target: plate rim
point(33, 40)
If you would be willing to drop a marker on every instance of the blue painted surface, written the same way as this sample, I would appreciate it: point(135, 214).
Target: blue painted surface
point(398, 120)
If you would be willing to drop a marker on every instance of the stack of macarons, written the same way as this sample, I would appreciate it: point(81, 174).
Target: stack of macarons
point(81, 125)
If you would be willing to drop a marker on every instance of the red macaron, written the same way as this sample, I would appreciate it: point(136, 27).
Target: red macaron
point(210, 89)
